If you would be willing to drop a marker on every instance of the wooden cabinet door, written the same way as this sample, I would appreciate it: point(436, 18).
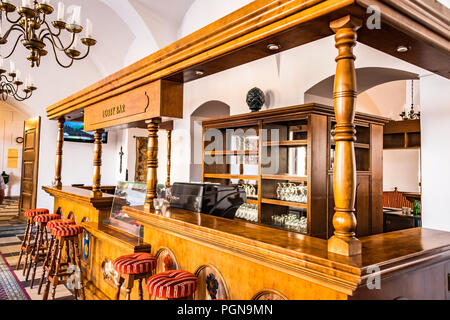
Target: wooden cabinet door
point(30, 165)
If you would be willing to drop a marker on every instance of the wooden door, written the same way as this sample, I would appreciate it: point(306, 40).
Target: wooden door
point(30, 165)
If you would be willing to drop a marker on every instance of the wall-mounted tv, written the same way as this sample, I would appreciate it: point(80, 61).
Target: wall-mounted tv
point(73, 132)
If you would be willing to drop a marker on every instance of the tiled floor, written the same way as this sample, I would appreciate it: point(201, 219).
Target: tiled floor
point(11, 235)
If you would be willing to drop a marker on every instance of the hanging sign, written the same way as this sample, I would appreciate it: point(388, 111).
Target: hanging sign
point(161, 98)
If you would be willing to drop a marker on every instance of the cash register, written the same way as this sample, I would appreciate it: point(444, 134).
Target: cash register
point(213, 199)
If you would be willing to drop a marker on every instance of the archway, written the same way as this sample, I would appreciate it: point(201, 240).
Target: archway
point(208, 110)
point(385, 92)
point(367, 78)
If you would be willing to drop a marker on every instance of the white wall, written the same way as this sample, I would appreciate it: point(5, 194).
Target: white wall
point(401, 169)
point(435, 100)
point(11, 127)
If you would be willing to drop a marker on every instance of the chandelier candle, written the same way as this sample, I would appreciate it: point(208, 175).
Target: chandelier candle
point(88, 28)
point(61, 11)
point(12, 67)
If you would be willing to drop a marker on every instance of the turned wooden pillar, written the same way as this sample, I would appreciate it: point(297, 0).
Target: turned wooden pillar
point(169, 156)
point(152, 162)
point(97, 179)
point(344, 241)
point(59, 153)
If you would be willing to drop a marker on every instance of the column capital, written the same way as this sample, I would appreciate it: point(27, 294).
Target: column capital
point(346, 22)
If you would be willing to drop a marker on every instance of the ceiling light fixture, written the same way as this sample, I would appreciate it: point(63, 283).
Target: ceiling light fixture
point(412, 115)
point(402, 49)
point(199, 73)
point(274, 47)
point(11, 86)
point(33, 29)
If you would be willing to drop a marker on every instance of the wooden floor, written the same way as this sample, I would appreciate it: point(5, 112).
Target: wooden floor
point(11, 236)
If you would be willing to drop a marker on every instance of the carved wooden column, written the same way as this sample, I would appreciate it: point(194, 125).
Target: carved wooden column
point(169, 156)
point(97, 180)
point(59, 153)
point(344, 241)
point(152, 162)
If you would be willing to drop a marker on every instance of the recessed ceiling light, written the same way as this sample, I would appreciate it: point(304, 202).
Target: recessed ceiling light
point(402, 49)
point(199, 73)
point(274, 47)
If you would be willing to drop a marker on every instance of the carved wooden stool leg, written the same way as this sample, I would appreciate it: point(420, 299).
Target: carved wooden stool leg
point(37, 253)
point(57, 266)
point(119, 286)
point(34, 252)
point(141, 292)
point(50, 269)
point(129, 285)
point(23, 246)
point(78, 256)
point(27, 246)
point(46, 262)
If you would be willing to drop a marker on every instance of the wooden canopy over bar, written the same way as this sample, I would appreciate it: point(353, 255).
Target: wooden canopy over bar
point(302, 266)
point(243, 37)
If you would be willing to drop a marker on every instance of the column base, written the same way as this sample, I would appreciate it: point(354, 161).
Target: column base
point(344, 247)
point(56, 184)
point(96, 194)
point(149, 207)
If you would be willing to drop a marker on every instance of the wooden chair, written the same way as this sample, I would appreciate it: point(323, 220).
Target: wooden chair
point(65, 236)
point(396, 199)
point(132, 267)
point(173, 285)
point(41, 243)
point(50, 225)
point(27, 245)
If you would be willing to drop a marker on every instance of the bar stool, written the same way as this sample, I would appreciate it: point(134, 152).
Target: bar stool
point(64, 236)
point(26, 245)
point(40, 246)
point(50, 225)
point(132, 267)
point(173, 285)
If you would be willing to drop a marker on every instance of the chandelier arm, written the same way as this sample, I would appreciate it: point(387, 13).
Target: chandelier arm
point(12, 21)
point(13, 28)
point(52, 40)
point(50, 33)
point(86, 54)
point(14, 48)
point(57, 59)
point(49, 30)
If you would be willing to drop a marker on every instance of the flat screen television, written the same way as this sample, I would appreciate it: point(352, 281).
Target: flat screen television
point(73, 132)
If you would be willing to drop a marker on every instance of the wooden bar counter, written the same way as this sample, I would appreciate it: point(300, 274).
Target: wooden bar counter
point(101, 243)
point(254, 259)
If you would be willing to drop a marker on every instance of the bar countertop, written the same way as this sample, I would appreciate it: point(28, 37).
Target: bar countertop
point(391, 252)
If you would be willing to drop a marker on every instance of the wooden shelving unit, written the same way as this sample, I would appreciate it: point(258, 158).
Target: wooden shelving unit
point(299, 140)
point(404, 134)
point(284, 177)
point(285, 203)
point(286, 143)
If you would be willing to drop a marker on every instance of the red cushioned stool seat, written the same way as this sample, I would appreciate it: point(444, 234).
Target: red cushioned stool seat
point(36, 212)
point(174, 284)
point(136, 263)
point(44, 218)
point(67, 231)
point(60, 222)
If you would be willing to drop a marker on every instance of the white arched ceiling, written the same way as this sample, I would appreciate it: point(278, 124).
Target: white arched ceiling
point(203, 12)
point(126, 30)
point(366, 78)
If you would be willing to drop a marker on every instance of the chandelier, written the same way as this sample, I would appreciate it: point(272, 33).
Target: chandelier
point(11, 86)
point(411, 115)
point(34, 31)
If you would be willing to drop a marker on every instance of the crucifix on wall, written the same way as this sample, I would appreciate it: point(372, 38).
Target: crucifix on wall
point(121, 154)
